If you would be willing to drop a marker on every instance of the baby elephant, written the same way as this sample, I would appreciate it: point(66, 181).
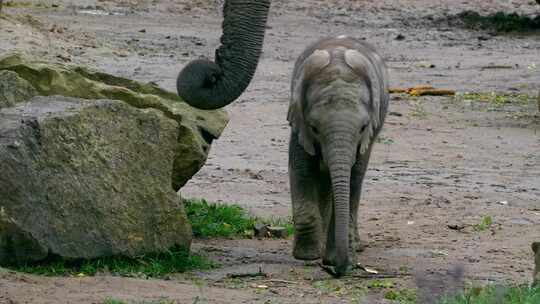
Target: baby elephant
point(339, 99)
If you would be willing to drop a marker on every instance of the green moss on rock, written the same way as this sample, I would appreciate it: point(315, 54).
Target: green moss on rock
point(83, 179)
point(197, 127)
point(14, 89)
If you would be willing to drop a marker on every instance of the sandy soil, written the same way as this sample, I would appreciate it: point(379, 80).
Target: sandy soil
point(442, 161)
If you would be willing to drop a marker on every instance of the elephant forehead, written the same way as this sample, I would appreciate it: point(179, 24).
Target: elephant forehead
point(335, 71)
point(337, 98)
point(336, 87)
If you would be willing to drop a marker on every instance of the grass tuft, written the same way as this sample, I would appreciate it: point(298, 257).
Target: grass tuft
point(495, 99)
point(155, 265)
point(497, 294)
point(226, 220)
point(500, 22)
point(401, 296)
point(484, 224)
point(217, 220)
point(113, 301)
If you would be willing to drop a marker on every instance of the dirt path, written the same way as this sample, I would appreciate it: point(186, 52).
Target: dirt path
point(442, 161)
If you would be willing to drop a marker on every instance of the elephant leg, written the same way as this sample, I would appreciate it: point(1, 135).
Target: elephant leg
point(303, 174)
point(357, 177)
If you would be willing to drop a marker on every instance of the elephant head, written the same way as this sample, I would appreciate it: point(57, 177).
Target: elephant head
point(339, 101)
point(210, 85)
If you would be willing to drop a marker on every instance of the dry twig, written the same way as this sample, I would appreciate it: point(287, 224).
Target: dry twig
point(281, 281)
point(260, 273)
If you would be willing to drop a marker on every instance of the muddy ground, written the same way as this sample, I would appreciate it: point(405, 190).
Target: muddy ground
point(441, 162)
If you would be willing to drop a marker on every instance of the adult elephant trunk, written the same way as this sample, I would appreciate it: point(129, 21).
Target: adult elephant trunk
point(340, 155)
point(211, 85)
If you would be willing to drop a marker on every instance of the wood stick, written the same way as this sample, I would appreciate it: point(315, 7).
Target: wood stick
point(281, 281)
point(247, 275)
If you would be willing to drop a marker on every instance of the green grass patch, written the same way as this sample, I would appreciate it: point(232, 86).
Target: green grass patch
point(344, 289)
point(217, 220)
point(401, 296)
point(495, 99)
point(497, 294)
point(485, 223)
point(114, 301)
point(155, 265)
point(226, 220)
point(29, 4)
point(500, 22)
point(384, 283)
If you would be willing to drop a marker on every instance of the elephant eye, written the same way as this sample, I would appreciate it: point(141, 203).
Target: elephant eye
point(315, 130)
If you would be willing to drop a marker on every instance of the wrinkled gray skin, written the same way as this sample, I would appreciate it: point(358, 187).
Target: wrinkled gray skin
point(339, 99)
point(209, 85)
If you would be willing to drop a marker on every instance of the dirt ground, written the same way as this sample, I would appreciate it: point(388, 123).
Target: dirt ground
point(442, 164)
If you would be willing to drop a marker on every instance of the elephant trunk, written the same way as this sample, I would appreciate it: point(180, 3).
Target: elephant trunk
point(340, 155)
point(211, 85)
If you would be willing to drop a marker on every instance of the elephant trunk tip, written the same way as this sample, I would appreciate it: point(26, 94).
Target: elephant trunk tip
point(196, 82)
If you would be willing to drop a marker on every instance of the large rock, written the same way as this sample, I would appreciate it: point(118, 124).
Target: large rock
point(197, 128)
point(14, 89)
point(86, 179)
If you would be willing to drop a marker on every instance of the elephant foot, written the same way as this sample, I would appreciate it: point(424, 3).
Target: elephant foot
point(306, 248)
point(336, 272)
point(330, 259)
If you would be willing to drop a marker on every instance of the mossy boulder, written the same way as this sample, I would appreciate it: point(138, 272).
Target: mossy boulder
point(197, 128)
point(14, 89)
point(86, 179)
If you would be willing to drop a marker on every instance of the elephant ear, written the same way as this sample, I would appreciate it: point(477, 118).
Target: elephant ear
point(311, 66)
point(374, 74)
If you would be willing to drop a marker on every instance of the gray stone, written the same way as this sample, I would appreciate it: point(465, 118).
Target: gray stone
point(197, 128)
point(278, 232)
point(260, 230)
point(87, 179)
point(14, 89)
